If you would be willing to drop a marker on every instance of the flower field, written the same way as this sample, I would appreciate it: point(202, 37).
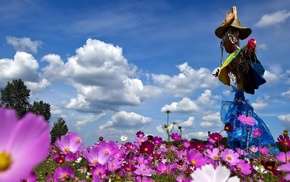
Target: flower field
point(146, 159)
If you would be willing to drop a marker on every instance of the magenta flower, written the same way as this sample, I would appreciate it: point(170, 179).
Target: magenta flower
point(143, 179)
point(175, 137)
point(244, 167)
point(213, 153)
point(144, 170)
point(99, 173)
point(165, 168)
point(263, 150)
point(24, 144)
point(230, 156)
point(147, 148)
point(196, 159)
point(283, 157)
point(96, 156)
point(215, 137)
point(69, 143)
point(186, 144)
point(285, 167)
point(257, 133)
point(157, 140)
point(247, 120)
point(241, 152)
point(114, 165)
point(63, 173)
point(284, 141)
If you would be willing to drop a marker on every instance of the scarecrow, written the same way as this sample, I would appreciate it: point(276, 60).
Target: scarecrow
point(243, 71)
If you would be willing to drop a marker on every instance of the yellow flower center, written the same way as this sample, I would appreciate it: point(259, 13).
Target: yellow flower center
point(229, 158)
point(215, 157)
point(95, 161)
point(66, 150)
point(5, 161)
point(245, 120)
point(193, 162)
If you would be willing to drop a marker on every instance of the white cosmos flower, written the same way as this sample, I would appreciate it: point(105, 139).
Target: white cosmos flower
point(123, 138)
point(208, 173)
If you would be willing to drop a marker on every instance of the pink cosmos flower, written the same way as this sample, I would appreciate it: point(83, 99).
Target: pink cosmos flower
point(143, 179)
point(185, 143)
point(24, 144)
point(286, 167)
point(263, 150)
point(69, 143)
point(247, 120)
point(257, 132)
point(216, 137)
point(144, 170)
point(63, 173)
point(165, 168)
point(196, 159)
point(175, 137)
point(230, 156)
point(283, 157)
point(241, 152)
point(244, 167)
point(114, 165)
point(96, 156)
point(157, 140)
point(208, 173)
point(213, 153)
point(254, 149)
point(284, 141)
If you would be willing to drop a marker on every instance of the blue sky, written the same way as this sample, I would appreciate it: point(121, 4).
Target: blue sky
point(112, 68)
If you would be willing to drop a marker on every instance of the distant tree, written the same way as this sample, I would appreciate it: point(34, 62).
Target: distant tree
point(41, 108)
point(59, 128)
point(15, 95)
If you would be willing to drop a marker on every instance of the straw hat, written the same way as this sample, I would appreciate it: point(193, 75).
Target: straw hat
point(233, 21)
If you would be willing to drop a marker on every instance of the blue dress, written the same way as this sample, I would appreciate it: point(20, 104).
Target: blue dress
point(241, 135)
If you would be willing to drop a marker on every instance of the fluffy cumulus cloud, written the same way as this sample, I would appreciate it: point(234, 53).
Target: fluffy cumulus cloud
point(187, 81)
point(24, 44)
point(275, 18)
point(260, 102)
point(186, 105)
point(126, 120)
point(285, 120)
point(23, 66)
point(101, 75)
point(270, 77)
point(212, 121)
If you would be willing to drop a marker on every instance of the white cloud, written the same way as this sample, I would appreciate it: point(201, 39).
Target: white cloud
point(206, 98)
point(273, 18)
point(285, 120)
point(286, 94)
point(102, 75)
point(271, 78)
point(127, 120)
point(23, 66)
point(79, 103)
point(24, 44)
point(260, 102)
point(184, 106)
point(54, 68)
point(211, 121)
point(89, 118)
point(187, 81)
point(36, 86)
